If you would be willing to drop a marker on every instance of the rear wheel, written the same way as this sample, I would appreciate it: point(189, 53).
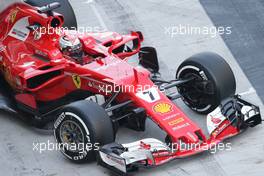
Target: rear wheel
point(81, 129)
point(213, 81)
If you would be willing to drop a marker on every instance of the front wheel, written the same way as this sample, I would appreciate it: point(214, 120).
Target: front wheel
point(212, 81)
point(81, 129)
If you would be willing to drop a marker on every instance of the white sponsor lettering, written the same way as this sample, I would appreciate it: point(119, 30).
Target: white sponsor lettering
point(20, 30)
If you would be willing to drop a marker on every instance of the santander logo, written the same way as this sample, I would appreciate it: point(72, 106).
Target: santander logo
point(215, 120)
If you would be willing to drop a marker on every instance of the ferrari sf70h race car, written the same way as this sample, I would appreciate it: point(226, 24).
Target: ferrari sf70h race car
point(86, 84)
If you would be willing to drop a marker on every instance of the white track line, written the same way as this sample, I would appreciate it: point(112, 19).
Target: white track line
point(251, 90)
point(97, 14)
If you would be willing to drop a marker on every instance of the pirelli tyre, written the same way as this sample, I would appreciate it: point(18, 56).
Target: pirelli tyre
point(212, 81)
point(81, 128)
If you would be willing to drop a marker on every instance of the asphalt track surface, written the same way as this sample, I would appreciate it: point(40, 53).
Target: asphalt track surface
point(152, 17)
point(246, 42)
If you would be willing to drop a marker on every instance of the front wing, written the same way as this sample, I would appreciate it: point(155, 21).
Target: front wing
point(229, 119)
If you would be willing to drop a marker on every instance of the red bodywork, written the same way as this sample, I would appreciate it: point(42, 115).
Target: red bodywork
point(25, 57)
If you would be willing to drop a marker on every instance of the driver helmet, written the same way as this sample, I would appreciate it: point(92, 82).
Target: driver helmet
point(71, 45)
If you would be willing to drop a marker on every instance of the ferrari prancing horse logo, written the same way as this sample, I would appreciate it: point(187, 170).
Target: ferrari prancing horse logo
point(77, 81)
point(12, 16)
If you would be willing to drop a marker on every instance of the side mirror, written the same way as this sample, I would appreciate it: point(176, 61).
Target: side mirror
point(140, 35)
point(149, 59)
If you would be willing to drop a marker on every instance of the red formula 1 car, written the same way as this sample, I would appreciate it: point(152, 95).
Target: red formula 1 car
point(87, 85)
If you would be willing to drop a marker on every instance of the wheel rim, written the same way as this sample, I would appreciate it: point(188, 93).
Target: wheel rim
point(72, 135)
point(198, 93)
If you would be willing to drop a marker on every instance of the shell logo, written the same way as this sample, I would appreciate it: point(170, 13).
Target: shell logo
point(162, 108)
